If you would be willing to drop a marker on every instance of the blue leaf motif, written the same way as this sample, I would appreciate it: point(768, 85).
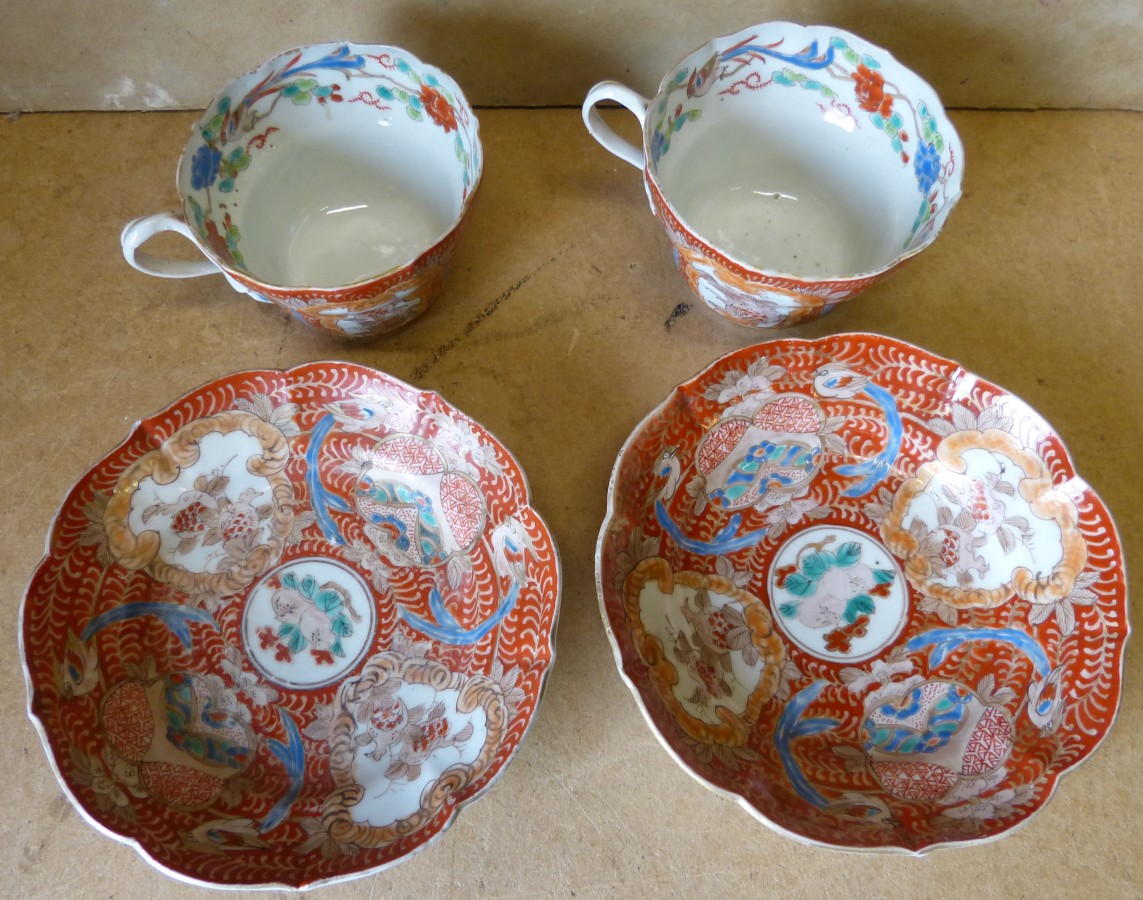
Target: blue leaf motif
point(799, 585)
point(791, 725)
point(728, 540)
point(849, 553)
point(859, 605)
point(806, 727)
point(328, 601)
point(817, 564)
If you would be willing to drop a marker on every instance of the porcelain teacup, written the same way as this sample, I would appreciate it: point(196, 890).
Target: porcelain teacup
point(332, 180)
point(791, 166)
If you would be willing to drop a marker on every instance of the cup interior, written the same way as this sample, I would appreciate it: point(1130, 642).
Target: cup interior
point(324, 210)
point(330, 165)
point(765, 145)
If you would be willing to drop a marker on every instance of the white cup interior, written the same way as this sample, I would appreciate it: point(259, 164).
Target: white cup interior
point(341, 204)
point(812, 207)
point(784, 176)
point(355, 160)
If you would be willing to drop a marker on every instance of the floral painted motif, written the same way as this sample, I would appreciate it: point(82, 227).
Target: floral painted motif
point(217, 653)
point(869, 86)
point(308, 622)
point(710, 648)
point(349, 90)
point(438, 107)
point(850, 70)
point(839, 594)
point(942, 639)
point(239, 127)
point(405, 736)
point(797, 84)
point(207, 528)
point(982, 523)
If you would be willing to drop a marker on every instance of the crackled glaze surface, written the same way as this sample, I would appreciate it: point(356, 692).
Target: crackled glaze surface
point(863, 592)
point(290, 626)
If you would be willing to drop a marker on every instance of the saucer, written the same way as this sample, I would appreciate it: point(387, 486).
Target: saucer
point(290, 626)
point(863, 593)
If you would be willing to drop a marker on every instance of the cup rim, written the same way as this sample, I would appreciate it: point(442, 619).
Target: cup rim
point(854, 280)
point(331, 293)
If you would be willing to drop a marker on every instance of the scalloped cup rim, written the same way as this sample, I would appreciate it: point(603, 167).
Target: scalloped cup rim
point(856, 278)
point(258, 284)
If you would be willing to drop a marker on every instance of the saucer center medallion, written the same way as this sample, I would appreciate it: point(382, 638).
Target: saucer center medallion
point(308, 623)
point(837, 593)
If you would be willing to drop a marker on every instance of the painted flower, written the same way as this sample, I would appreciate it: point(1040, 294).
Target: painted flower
point(658, 145)
point(225, 245)
point(204, 167)
point(869, 86)
point(792, 511)
point(438, 108)
point(927, 165)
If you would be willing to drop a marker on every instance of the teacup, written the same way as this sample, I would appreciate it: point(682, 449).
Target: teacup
point(791, 166)
point(333, 180)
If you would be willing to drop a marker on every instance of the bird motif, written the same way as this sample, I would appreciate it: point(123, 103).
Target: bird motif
point(701, 79)
point(510, 549)
point(744, 52)
point(368, 410)
point(1046, 701)
point(839, 381)
point(862, 808)
point(79, 669)
point(671, 472)
point(221, 836)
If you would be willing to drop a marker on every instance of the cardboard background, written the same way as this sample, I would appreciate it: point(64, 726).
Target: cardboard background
point(552, 333)
point(157, 54)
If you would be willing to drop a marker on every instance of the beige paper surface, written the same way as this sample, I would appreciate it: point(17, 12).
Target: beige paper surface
point(553, 333)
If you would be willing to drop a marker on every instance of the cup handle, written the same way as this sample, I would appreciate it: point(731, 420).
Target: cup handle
point(624, 96)
point(139, 231)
